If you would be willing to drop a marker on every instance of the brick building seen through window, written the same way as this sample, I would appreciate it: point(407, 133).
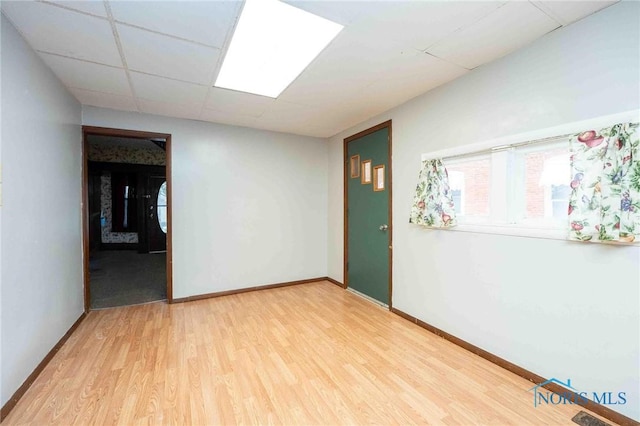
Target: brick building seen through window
point(545, 181)
point(470, 186)
point(547, 176)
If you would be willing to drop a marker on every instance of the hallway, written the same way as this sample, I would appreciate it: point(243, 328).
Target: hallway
point(126, 277)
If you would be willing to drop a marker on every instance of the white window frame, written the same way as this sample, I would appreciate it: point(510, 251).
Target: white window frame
point(462, 189)
point(470, 219)
point(506, 200)
point(518, 207)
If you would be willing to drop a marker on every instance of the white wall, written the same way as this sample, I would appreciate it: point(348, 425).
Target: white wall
point(41, 184)
point(249, 206)
point(557, 308)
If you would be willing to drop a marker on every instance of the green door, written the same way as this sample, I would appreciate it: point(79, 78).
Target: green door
point(368, 216)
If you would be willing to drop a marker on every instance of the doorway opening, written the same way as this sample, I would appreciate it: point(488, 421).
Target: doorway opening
point(368, 227)
point(126, 217)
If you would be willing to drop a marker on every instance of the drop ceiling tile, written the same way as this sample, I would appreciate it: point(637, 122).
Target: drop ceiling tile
point(566, 12)
point(206, 22)
point(416, 74)
point(343, 12)
point(168, 57)
point(318, 132)
point(281, 110)
point(419, 71)
point(298, 128)
point(289, 128)
point(161, 89)
point(412, 75)
point(351, 59)
point(322, 89)
point(88, 76)
point(330, 121)
point(53, 29)
point(233, 102)
point(214, 116)
point(503, 31)
point(374, 64)
point(419, 24)
point(170, 110)
point(104, 100)
point(285, 116)
point(94, 7)
point(349, 69)
point(387, 94)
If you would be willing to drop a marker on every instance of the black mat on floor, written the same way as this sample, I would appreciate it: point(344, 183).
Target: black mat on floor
point(585, 419)
point(124, 277)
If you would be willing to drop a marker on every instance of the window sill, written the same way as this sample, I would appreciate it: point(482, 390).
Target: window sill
point(521, 231)
point(512, 230)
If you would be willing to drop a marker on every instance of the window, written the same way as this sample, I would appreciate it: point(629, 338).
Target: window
point(456, 184)
point(524, 185)
point(469, 181)
point(560, 200)
point(547, 173)
point(162, 207)
point(523, 180)
point(124, 203)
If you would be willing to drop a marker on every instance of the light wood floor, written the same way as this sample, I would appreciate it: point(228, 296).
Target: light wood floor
point(307, 354)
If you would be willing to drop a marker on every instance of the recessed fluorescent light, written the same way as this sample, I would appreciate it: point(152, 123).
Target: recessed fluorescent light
point(272, 44)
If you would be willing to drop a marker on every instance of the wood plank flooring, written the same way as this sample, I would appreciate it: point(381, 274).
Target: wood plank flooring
point(306, 354)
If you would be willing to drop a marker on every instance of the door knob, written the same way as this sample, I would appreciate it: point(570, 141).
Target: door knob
point(384, 227)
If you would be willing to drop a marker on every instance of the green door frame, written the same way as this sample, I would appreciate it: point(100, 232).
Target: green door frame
point(345, 157)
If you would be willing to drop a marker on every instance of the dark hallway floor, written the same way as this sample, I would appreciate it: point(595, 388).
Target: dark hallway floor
point(125, 277)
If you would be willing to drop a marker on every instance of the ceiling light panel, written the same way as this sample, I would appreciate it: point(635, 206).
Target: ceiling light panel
point(272, 44)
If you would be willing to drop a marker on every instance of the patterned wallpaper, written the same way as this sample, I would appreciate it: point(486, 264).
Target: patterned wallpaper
point(125, 154)
point(105, 206)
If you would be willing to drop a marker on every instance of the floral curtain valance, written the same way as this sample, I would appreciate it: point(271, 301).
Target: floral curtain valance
point(605, 198)
point(433, 203)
